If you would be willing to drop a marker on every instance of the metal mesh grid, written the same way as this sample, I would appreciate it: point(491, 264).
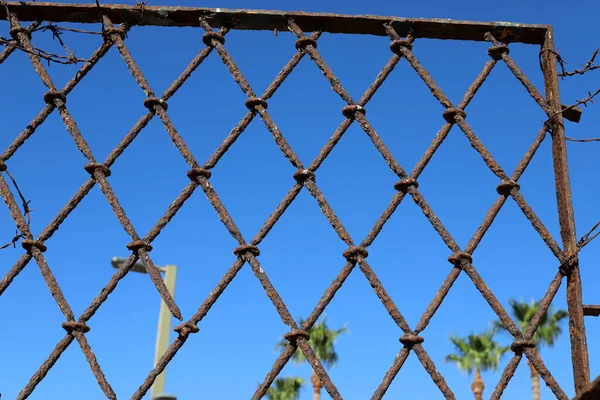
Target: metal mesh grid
point(305, 177)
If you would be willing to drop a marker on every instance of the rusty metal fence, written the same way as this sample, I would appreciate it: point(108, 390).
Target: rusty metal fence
point(118, 20)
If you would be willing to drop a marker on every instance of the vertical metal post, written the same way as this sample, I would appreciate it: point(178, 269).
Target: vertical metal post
point(164, 331)
point(566, 217)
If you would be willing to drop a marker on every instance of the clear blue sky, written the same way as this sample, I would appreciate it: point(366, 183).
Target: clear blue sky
point(235, 347)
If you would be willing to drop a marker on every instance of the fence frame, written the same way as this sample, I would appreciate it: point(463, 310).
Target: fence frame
point(500, 32)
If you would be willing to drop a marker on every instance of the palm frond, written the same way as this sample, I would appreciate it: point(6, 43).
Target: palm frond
point(285, 388)
point(476, 351)
point(549, 328)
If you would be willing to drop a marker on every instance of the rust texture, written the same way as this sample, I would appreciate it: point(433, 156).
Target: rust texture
point(404, 34)
point(591, 310)
point(271, 20)
point(566, 217)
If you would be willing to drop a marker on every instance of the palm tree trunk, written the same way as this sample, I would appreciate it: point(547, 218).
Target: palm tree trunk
point(535, 382)
point(477, 386)
point(317, 385)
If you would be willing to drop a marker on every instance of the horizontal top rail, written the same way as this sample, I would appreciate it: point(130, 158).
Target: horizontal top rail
point(270, 20)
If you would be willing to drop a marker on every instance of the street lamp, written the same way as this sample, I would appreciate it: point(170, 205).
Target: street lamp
point(164, 323)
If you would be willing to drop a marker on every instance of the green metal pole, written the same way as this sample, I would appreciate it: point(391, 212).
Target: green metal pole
point(164, 330)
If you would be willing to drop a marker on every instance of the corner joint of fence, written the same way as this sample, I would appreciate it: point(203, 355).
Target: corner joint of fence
point(211, 38)
point(497, 51)
point(137, 245)
point(410, 339)
point(397, 45)
point(519, 345)
point(14, 32)
point(29, 244)
point(353, 253)
point(245, 249)
point(121, 31)
point(302, 175)
point(451, 114)
point(404, 184)
point(186, 328)
point(506, 186)
point(351, 110)
point(253, 102)
point(459, 257)
point(295, 335)
point(152, 102)
point(303, 42)
point(91, 168)
point(195, 173)
point(567, 265)
point(52, 95)
point(75, 326)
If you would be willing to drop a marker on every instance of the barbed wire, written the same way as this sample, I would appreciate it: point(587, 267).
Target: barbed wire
point(588, 237)
point(70, 58)
point(590, 65)
point(18, 236)
point(25, 203)
point(52, 26)
point(581, 243)
point(101, 17)
point(26, 212)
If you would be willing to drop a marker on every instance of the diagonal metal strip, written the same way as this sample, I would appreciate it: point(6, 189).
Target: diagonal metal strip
point(260, 106)
point(86, 187)
point(170, 213)
point(24, 135)
point(268, 225)
point(420, 201)
point(36, 248)
point(536, 222)
point(459, 119)
point(426, 317)
point(211, 194)
point(495, 167)
point(514, 68)
point(476, 143)
point(393, 164)
point(358, 114)
point(100, 173)
point(488, 295)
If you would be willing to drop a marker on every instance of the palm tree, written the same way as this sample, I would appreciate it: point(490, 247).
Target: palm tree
point(546, 334)
point(476, 352)
point(322, 340)
point(287, 388)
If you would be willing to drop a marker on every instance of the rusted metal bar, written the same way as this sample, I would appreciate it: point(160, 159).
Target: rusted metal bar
point(572, 114)
point(271, 20)
point(566, 216)
point(591, 311)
